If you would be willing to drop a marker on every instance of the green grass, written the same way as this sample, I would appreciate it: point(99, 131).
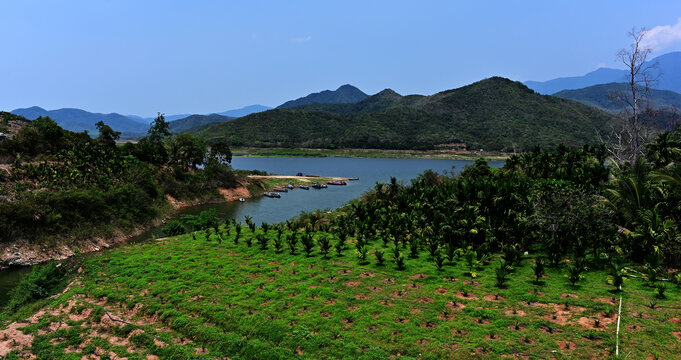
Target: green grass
point(183, 295)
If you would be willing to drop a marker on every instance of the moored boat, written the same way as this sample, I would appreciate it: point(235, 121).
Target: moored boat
point(337, 182)
point(353, 179)
point(316, 186)
point(304, 187)
point(278, 189)
point(272, 195)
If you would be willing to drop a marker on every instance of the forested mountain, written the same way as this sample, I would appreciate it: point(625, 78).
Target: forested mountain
point(667, 71)
point(493, 114)
point(344, 94)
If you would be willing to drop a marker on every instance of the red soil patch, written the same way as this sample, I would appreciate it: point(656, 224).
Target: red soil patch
point(516, 327)
point(451, 347)
point(415, 310)
point(401, 320)
point(375, 288)
point(564, 295)
point(677, 334)
point(589, 324)
point(467, 296)
point(450, 279)
point(481, 321)
point(611, 301)
point(527, 341)
point(425, 300)
point(330, 302)
point(446, 316)
point(361, 297)
point(372, 328)
point(325, 314)
point(422, 342)
point(566, 345)
point(454, 306)
point(313, 286)
point(399, 293)
point(414, 286)
point(386, 303)
point(352, 308)
point(675, 320)
point(418, 276)
point(459, 332)
point(13, 339)
point(515, 313)
point(352, 283)
point(388, 281)
point(471, 282)
point(293, 294)
point(492, 297)
point(634, 327)
point(367, 275)
point(492, 337)
point(429, 325)
point(345, 272)
point(441, 291)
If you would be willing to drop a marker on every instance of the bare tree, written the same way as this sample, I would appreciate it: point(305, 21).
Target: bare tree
point(629, 136)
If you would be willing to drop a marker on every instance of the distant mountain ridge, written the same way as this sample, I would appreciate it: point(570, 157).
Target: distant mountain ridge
point(80, 120)
point(493, 114)
point(194, 121)
point(600, 96)
point(668, 70)
point(344, 94)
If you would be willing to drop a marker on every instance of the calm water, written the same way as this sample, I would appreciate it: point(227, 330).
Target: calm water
point(292, 203)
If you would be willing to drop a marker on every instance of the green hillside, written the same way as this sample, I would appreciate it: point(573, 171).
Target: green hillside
point(493, 114)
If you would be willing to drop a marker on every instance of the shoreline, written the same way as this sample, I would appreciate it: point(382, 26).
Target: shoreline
point(367, 153)
point(21, 253)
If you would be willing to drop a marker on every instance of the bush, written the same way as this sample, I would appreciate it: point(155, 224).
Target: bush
point(174, 228)
point(43, 281)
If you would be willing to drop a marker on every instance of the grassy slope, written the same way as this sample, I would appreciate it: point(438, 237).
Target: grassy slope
point(245, 302)
point(494, 114)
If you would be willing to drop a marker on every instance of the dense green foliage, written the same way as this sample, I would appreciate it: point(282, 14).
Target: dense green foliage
point(65, 185)
point(493, 114)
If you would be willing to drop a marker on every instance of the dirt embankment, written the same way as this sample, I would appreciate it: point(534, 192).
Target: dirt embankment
point(299, 178)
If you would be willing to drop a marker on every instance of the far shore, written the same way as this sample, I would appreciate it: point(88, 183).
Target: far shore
point(369, 153)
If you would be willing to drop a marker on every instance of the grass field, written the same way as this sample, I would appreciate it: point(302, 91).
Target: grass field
point(189, 297)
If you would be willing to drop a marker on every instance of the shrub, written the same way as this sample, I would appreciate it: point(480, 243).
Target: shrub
point(174, 228)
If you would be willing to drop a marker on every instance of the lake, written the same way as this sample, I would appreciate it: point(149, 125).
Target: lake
point(369, 171)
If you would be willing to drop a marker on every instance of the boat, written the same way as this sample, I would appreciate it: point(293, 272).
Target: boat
point(337, 182)
point(272, 195)
point(317, 186)
point(304, 187)
point(353, 179)
point(278, 189)
point(290, 187)
point(242, 199)
point(309, 175)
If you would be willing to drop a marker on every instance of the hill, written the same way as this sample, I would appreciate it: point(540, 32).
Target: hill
point(344, 94)
point(668, 69)
point(493, 114)
point(192, 121)
point(79, 120)
point(599, 96)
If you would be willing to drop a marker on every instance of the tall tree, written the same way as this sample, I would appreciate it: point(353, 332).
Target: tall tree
point(629, 135)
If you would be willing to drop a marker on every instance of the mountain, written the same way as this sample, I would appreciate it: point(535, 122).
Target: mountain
point(192, 121)
point(599, 96)
point(246, 110)
point(79, 120)
point(493, 114)
point(668, 69)
point(344, 94)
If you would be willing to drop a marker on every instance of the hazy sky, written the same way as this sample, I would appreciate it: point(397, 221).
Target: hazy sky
point(140, 57)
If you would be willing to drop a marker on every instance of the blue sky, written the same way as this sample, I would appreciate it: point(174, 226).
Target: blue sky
point(140, 57)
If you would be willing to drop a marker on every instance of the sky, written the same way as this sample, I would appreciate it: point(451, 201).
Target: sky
point(144, 57)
